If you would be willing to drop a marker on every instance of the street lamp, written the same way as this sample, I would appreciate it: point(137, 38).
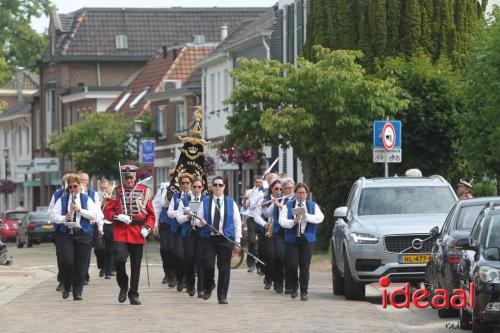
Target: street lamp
point(138, 130)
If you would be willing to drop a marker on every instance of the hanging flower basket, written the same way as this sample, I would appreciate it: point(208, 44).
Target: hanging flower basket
point(7, 186)
point(209, 166)
point(231, 155)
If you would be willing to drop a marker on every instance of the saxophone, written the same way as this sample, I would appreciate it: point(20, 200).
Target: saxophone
point(269, 230)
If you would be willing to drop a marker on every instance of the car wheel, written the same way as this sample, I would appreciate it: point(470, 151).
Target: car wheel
point(465, 319)
point(428, 281)
point(19, 244)
point(353, 290)
point(337, 279)
point(449, 312)
point(477, 325)
point(29, 242)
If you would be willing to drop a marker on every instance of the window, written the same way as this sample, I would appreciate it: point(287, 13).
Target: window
point(121, 42)
point(20, 141)
point(212, 92)
point(219, 92)
point(37, 131)
point(180, 117)
point(468, 216)
point(122, 101)
point(49, 113)
point(226, 84)
point(160, 120)
point(139, 97)
point(68, 116)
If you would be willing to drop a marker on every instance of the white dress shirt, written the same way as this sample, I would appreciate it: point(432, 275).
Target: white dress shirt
point(172, 213)
point(97, 201)
point(255, 196)
point(91, 213)
point(263, 210)
point(315, 218)
point(159, 202)
point(236, 217)
point(179, 215)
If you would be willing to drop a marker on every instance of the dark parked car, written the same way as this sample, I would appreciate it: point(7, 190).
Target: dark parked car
point(8, 224)
point(481, 266)
point(34, 229)
point(441, 271)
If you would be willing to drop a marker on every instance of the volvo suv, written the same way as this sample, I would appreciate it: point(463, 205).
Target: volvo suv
point(384, 230)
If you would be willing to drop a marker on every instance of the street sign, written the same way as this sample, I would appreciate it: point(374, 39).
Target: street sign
point(388, 136)
point(24, 166)
point(380, 126)
point(46, 164)
point(148, 152)
point(393, 156)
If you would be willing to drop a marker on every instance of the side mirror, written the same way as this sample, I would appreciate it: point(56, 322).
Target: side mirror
point(435, 231)
point(492, 253)
point(340, 213)
point(465, 244)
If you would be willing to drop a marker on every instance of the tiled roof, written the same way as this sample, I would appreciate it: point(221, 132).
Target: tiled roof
point(249, 28)
point(93, 31)
point(159, 69)
point(31, 81)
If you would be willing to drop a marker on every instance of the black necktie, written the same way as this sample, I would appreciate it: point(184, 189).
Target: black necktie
point(217, 214)
point(73, 198)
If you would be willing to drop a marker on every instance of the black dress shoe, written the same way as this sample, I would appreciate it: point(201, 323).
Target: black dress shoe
point(60, 287)
point(107, 277)
point(288, 291)
point(294, 294)
point(201, 294)
point(303, 297)
point(65, 294)
point(208, 292)
point(191, 291)
point(165, 280)
point(77, 296)
point(122, 297)
point(101, 273)
point(134, 300)
point(268, 285)
point(279, 289)
point(180, 286)
point(172, 282)
point(223, 301)
point(251, 269)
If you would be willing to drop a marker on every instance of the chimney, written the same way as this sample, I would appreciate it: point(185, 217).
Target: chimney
point(223, 32)
point(164, 51)
point(20, 83)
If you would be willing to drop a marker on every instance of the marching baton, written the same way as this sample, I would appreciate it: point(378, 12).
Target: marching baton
point(187, 210)
point(146, 255)
point(123, 188)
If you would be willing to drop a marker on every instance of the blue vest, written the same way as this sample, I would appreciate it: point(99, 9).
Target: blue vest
point(186, 226)
point(57, 195)
point(276, 225)
point(84, 222)
point(163, 213)
point(174, 225)
point(260, 229)
point(91, 194)
point(228, 216)
point(310, 232)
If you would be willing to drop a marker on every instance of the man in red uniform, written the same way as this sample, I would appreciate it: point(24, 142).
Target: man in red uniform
point(132, 223)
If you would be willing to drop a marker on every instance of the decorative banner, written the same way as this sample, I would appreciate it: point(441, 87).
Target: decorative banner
point(192, 158)
point(148, 152)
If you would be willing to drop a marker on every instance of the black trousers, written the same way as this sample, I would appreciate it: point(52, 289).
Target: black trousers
point(108, 248)
point(58, 241)
point(278, 270)
point(266, 255)
point(220, 248)
point(74, 252)
point(121, 252)
point(178, 255)
point(298, 255)
point(252, 240)
point(166, 249)
point(192, 253)
point(99, 249)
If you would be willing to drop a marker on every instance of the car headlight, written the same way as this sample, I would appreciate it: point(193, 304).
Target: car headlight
point(489, 274)
point(362, 238)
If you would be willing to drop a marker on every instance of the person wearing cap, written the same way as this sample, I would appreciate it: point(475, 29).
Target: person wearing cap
point(132, 222)
point(464, 189)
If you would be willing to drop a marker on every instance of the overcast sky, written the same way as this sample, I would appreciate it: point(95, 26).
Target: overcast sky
point(65, 6)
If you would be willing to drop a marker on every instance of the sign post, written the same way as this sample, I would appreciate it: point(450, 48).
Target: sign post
point(387, 143)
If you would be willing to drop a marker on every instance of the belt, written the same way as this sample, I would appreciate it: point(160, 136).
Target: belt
point(74, 231)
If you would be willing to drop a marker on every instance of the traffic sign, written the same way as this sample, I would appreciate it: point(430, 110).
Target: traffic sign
point(380, 155)
point(388, 136)
point(378, 133)
point(147, 152)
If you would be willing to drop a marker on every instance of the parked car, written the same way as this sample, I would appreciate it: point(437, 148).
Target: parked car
point(8, 224)
point(480, 265)
point(442, 271)
point(384, 231)
point(35, 228)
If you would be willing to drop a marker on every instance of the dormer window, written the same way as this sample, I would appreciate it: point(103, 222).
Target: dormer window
point(121, 42)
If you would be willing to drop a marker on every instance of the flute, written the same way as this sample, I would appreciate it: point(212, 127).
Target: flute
point(270, 201)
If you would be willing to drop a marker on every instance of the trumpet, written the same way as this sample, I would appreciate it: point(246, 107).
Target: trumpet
point(270, 201)
point(299, 213)
point(108, 194)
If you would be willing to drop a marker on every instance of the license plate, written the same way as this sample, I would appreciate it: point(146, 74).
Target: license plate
point(414, 259)
point(47, 226)
point(493, 307)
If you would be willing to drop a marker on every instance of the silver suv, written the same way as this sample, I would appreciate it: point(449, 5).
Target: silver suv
point(384, 230)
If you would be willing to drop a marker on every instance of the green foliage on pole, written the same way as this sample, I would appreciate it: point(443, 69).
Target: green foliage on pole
point(96, 143)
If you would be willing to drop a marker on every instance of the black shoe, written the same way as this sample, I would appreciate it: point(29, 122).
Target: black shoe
point(279, 289)
point(260, 272)
point(165, 280)
point(77, 296)
point(294, 294)
point(134, 300)
point(122, 297)
point(251, 269)
point(180, 286)
point(107, 277)
point(201, 294)
point(86, 283)
point(288, 291)
point(208, 292)
point(303, 297)
point(101, 273)
point(60, 287)
point(172, 282)
point(268, 285)
point(223, 301)
point(191, 291)
point(65, 294)
point(113, 274)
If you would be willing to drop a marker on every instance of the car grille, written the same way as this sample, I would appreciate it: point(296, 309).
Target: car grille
point(397, 244)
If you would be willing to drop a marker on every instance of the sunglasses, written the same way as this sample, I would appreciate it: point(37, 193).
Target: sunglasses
point(196, 186)
point(74, 186)
point(218, 185)
point(301, 192)
point(185, 183)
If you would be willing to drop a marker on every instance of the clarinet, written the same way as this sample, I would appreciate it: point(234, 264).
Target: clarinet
point(73, 218)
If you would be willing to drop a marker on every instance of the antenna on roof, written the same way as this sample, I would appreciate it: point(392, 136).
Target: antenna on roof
point(164, 51)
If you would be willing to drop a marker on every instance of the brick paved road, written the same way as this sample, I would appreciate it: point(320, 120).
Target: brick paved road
point(29, 302)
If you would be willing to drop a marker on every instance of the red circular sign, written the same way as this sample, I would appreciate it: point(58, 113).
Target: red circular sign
point(389, 136)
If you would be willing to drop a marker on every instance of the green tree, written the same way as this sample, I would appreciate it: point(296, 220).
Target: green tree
point(21, 45)
point(480, 125)
point(97, 143)
point(324, 110)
